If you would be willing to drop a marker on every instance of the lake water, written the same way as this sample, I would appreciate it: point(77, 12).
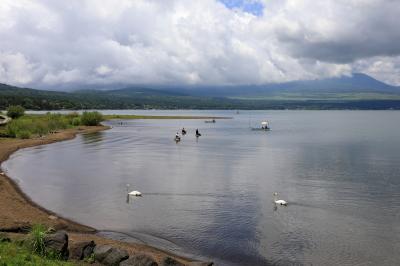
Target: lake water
point(212, 197)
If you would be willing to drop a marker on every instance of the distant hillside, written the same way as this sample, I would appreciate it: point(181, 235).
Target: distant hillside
point(355, 84)
point(356, 92)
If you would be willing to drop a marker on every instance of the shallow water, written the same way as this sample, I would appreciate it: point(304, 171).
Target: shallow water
point(212, 197)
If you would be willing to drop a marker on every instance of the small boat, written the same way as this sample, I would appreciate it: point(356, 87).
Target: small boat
point(210, 121)
point(264, 127)
point(135, 193)
point(4, 119)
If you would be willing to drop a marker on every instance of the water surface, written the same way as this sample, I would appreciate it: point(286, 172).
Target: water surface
point(212, 197)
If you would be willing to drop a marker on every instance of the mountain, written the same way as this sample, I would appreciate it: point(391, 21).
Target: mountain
point(358, 91)
point(357, 83)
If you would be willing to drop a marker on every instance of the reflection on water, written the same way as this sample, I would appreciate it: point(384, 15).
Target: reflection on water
point(93, 138)
point(213, 196)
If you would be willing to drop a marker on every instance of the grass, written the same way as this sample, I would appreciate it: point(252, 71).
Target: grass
point(36, 239)
point(29, 126)
point(19, 255)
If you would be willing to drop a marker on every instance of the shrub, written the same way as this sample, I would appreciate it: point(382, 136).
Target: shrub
point(76, 121)
point(91, 118)
point(37, 235)
point(41, 128)
point(15, 127)
point(15, 111)
point(23, 134)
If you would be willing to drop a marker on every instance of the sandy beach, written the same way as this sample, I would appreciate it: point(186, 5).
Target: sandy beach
point(18, 212)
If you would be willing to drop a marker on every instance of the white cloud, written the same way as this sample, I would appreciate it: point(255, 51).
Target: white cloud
point(75, 42)
point(15, 69)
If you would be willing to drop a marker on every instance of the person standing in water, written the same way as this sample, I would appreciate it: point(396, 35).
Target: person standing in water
point(197, 133)
point(183, 131)
point(177, 137)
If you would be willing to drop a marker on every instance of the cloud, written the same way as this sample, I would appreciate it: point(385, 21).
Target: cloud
point(75, 43)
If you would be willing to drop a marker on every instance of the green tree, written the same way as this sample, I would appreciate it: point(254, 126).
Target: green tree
point(15, 111)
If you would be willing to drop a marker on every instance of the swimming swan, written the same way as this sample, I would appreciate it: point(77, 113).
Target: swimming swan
point(134, 192)
point(280, 202)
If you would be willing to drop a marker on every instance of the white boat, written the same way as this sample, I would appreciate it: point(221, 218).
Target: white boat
point(264, 126)
point(4, 119)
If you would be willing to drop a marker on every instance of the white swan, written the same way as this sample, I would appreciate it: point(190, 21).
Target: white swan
point(279, 201)
point(134, 192)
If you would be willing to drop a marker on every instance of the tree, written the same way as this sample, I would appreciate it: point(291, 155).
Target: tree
point(15, 111)
point(91, 118)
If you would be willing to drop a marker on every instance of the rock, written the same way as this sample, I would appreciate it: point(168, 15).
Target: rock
point(88, 250)
point(109, 255)
point(58, 243)
point(168, 261)
point(200, 263)
point(139, 260)
point(101, 252)
point(81, 250)
point(53, 217)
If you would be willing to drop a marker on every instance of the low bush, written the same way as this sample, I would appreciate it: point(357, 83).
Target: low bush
point(23, 134)
point(76, 121)
point(91, 118)
point(39, 125)
point(15, 127)
point(15, 111)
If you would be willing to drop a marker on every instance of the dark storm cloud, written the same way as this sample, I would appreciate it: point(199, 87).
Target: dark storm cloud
point(345, 31)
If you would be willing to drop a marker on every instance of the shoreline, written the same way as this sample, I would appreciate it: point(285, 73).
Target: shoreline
point(18, 212)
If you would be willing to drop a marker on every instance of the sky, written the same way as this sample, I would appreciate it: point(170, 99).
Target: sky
point(58, 44)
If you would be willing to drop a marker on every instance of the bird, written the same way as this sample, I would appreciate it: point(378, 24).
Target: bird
point(134, 192)
point(279, 201)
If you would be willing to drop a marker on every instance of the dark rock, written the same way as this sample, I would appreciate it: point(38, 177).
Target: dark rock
point(101, 252)
point(81, 250)
point(57, 243)
point(168, 261)
point(88, 250)
point(200, 263)
point(25, 228)
point(109, 255)
point(139, 260)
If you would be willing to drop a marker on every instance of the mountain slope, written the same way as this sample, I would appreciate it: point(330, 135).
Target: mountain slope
point(356, 92)
point(357, 83)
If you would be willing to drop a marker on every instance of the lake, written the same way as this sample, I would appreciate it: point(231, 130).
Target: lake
point(212, 197)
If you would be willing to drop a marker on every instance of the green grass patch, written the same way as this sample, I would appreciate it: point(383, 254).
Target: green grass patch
point(19, 255)
point(29, 126)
